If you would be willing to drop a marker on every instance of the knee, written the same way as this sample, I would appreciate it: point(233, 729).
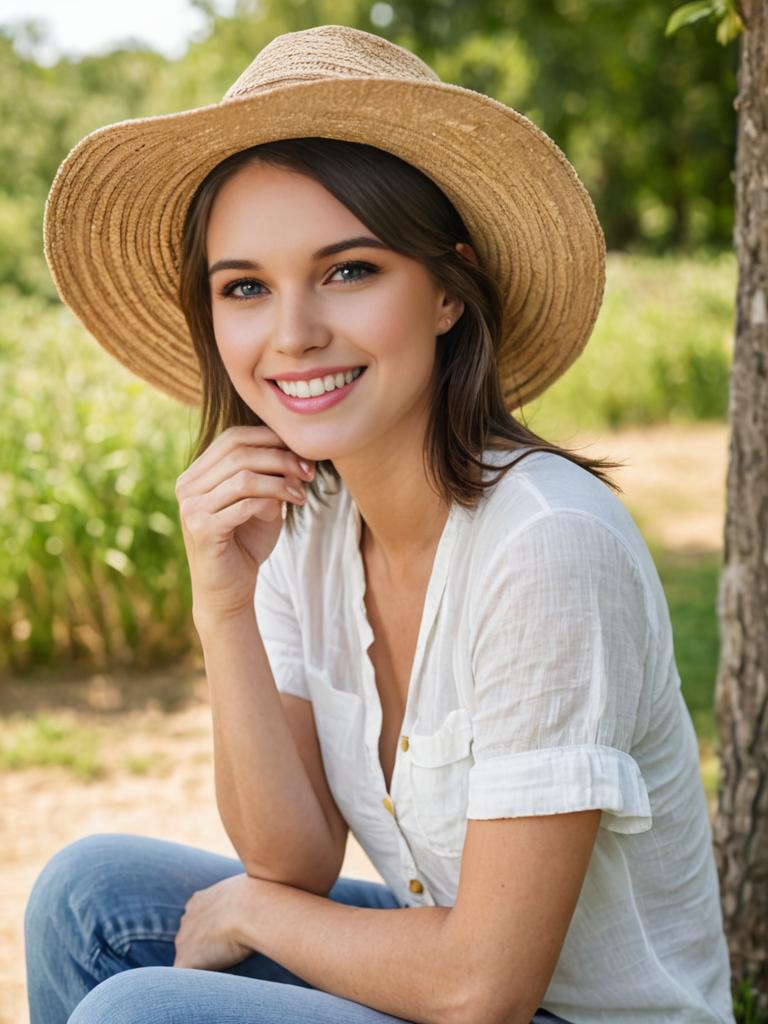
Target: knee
point(62, 894)
point(131, 997)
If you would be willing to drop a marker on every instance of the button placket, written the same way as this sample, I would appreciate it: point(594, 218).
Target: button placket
point(373, 722)
point(432, 599)
point(410, 867)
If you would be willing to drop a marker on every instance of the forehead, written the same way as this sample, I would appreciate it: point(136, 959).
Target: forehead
point(264, 207)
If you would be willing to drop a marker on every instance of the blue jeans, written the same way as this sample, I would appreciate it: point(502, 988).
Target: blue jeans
point(99, 932)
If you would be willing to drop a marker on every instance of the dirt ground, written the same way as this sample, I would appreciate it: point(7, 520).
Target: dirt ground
point(154, 731)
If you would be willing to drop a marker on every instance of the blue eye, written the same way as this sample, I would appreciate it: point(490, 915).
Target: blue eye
point(367, 268)
point(243, 283)
point(244, 287)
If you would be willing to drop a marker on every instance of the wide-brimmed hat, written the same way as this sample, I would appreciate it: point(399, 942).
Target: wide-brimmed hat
point(116, 209)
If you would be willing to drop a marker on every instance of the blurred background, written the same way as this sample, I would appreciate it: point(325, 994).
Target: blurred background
point(104, 723)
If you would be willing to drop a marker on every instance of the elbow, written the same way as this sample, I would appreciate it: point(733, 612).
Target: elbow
point(485, 1007)
point(477, 1015)
point(319, 886)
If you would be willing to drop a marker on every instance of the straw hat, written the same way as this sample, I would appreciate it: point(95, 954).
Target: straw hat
point(115, 212)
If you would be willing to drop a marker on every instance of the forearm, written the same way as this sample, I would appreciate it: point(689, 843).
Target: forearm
point(404, 962)
point(265, 798)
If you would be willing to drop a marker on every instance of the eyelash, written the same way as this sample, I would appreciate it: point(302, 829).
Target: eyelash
point(227, 291)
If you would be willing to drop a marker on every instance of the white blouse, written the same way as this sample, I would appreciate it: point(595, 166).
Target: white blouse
point(544, 681)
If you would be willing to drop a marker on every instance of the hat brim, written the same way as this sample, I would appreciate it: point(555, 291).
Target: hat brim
point(115, 214)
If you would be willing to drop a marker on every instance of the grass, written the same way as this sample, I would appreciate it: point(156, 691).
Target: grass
point(661, 349)
point(51, 741)
point(745, 1005)
point(690, 584)
point(66, 739)
point(92, 570)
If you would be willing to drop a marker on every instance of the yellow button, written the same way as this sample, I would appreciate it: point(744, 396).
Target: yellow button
point(403, 742)
point(415, 885)
point(389, 805)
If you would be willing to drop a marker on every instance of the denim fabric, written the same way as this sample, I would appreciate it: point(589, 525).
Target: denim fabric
point(99, 932)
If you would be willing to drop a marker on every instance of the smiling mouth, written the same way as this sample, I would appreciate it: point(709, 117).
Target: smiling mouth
point(318, 385)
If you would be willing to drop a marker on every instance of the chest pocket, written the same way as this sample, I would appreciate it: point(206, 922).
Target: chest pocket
point(439, 764)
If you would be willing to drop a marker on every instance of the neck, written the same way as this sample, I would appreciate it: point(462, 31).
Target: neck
point(402, 517)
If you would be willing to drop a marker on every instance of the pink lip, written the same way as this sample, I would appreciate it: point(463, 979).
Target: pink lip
point(319, 402)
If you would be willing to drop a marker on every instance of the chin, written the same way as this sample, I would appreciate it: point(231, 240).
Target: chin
point(316, 453)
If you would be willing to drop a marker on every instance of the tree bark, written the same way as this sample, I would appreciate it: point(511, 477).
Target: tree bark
point(741, 703)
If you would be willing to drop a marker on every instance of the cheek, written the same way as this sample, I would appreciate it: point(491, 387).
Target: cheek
point(236, 340)
point(399, 327)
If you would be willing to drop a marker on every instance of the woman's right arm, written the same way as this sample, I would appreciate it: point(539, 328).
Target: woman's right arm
point(268, 793)
point(230, 503)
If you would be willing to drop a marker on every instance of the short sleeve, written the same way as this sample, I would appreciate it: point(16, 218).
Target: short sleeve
point(279, 624)
point(560, 649)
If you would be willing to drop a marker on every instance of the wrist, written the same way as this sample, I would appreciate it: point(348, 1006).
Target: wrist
point(248, 914)
point(211, 623)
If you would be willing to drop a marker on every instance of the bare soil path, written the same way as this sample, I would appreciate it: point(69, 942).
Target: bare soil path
point(153, 732)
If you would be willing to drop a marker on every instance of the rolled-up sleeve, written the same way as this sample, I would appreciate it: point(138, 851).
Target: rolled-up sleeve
point(561, 642)
point(279, 624)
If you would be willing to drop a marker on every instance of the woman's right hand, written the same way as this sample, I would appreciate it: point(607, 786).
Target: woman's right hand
point(230, 505)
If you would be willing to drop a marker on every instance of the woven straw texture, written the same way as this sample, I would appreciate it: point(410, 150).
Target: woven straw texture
point(116, 209)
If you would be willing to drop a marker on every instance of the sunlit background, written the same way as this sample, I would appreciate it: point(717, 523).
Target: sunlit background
point(104, 724)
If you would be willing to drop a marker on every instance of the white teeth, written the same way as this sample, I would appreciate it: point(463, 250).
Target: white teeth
point(318, 385)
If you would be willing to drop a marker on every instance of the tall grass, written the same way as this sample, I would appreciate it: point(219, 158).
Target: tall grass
point(661, 349)
point(92, 563)
point(93, 568)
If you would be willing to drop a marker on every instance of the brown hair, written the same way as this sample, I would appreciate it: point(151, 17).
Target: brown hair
point(412, 216)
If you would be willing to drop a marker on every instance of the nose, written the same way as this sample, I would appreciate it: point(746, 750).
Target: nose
point(298, 324)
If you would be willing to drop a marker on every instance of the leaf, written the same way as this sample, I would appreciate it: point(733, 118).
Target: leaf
point(729, 28)
point(689, 13)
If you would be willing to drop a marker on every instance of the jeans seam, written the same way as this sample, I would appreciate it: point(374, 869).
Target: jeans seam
point(126, 938)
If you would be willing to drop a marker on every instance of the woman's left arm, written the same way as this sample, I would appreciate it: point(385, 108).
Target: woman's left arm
point(489, 958)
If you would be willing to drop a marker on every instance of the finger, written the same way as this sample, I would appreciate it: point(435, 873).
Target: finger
point(211, 529)
point(279, 462)
point(266, 493)
point(250, 484)
point(227, 441)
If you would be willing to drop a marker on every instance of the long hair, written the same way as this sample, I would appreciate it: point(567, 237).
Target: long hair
point(412, 216)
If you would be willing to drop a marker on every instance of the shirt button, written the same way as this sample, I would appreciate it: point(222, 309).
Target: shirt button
point(403, 742)
point(415, 885)
point(389, 805)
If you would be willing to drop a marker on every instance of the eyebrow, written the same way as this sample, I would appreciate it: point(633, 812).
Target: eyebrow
point(362, 241)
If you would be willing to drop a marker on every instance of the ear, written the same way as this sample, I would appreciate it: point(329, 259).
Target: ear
point(452, 309)
point(448, 314)
point(467, 251)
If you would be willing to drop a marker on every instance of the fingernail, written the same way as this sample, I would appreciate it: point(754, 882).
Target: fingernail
point(305, 466)
point(296, 493)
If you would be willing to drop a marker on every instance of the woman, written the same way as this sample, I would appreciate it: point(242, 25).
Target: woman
point(466, 661)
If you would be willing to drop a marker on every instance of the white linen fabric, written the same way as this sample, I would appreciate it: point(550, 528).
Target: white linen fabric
point(544, 681)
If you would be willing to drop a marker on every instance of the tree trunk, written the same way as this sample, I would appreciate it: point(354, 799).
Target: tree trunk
point(741, 704)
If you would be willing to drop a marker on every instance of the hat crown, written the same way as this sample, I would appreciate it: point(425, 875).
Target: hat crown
point(328, 51)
